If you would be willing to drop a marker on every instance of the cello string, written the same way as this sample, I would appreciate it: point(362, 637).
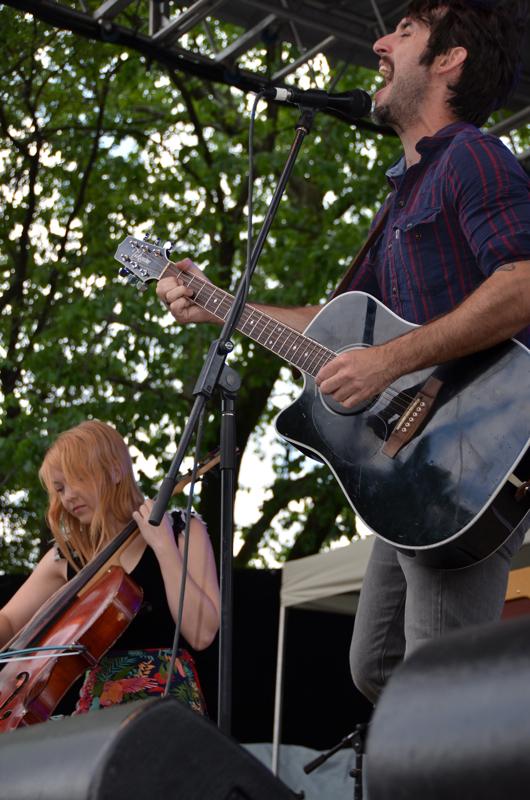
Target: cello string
point(23, 653)
point(34, 658)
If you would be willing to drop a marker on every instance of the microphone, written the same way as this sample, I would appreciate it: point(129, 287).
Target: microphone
point(354, 104)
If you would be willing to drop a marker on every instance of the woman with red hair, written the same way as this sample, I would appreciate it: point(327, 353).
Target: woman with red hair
point(93, 494)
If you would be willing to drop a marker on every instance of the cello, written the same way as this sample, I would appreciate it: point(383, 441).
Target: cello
point(72, 631)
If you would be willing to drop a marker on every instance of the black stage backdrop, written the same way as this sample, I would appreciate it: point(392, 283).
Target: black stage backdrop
point(320, 704)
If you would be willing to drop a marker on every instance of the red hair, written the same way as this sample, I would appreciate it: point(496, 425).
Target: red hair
point(92, 454)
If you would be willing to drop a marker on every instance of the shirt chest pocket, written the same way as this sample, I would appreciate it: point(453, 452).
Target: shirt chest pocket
point(415, 222)
point(418, 250)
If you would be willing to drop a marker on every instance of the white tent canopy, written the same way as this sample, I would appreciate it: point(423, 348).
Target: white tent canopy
point(325, 582)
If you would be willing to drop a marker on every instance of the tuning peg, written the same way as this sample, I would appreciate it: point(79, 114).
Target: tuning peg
point(157, 242)
point(124, 272)
point(168, 246)
point(147, 237)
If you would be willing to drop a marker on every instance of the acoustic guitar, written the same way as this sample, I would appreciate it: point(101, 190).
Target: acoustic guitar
point(428, 465)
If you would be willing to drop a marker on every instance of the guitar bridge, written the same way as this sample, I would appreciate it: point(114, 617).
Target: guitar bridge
point(414, 418)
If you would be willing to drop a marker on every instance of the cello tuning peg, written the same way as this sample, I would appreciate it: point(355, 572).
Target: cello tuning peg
point(157, 242)
point(147, 237)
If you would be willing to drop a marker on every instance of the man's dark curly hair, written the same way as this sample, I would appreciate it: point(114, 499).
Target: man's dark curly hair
point(492, 35)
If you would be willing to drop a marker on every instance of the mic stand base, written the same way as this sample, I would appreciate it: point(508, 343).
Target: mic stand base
point(357, 740)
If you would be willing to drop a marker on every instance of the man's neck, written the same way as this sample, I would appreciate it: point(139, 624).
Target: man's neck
point(427, 126)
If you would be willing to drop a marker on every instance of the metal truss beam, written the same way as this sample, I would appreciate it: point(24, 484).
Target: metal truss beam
point(342, 30)
point(217, 67)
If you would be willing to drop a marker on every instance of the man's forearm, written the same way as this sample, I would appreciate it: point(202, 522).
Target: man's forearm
point(497, 310)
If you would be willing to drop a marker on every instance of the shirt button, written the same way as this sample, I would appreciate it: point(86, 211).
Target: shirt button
point(401, 203)
point(394, 289)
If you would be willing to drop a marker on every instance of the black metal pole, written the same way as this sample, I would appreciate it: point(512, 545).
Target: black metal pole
point(228, 471)
point(303, 127)
point(213, 373)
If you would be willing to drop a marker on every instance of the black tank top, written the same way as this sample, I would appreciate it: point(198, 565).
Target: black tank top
point(153, 625)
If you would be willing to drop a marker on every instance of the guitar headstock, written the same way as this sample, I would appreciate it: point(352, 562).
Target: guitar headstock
point(142, 261)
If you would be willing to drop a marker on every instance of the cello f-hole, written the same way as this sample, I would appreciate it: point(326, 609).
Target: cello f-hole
point(21, 680)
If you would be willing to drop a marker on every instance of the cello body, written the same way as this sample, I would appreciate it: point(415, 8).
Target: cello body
point(31, 689)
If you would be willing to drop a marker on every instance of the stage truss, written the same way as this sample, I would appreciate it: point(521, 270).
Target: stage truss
point(341, 30)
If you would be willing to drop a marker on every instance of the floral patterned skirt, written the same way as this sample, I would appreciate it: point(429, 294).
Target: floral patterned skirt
point(125, 675)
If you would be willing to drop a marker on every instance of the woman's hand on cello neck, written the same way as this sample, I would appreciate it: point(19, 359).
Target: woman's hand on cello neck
point(200, 618)
point(160, 538)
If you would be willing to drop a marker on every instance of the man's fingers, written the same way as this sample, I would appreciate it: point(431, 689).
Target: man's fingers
point(178, 294)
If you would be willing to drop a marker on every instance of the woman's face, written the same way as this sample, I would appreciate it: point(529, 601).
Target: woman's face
point(79, 500)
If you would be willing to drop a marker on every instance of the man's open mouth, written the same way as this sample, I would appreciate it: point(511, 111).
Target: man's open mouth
point(387, 73)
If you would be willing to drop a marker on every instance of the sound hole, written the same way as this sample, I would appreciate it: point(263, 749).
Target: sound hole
point(338, 408)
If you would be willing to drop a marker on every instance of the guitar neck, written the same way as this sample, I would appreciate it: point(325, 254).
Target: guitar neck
point(302, 352)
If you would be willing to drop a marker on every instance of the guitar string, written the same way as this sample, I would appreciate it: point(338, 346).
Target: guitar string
point(400, 401)
point(315, 355)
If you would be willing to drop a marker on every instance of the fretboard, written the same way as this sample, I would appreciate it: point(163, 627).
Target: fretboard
point(295, 348)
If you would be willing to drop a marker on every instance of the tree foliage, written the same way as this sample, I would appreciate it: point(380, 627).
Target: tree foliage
point(96, 144)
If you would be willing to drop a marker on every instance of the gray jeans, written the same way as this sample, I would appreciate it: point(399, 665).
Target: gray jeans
point(403, 605)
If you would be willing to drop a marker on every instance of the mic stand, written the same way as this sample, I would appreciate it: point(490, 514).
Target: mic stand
point(228, 471)
point(357, 740)
point(215, 372)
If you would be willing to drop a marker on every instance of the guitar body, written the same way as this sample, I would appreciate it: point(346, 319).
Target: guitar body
point(443, 497)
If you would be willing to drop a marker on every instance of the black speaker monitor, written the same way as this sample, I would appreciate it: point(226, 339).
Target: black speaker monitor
point(454, 721)
point(138, 751)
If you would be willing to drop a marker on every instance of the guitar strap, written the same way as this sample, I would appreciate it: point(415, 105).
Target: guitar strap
point(360, 256)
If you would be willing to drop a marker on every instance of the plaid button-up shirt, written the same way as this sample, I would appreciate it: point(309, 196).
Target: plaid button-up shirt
point(456, 216)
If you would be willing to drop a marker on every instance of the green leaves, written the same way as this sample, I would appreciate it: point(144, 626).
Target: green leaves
point(93, 147)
